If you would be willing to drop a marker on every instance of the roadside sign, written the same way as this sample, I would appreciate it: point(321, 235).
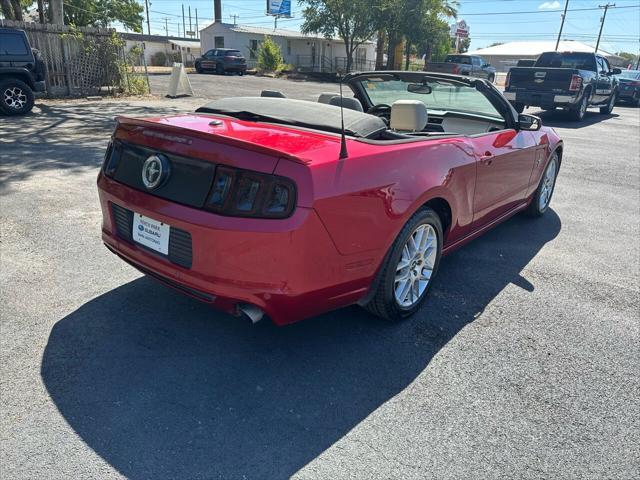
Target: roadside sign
point(281, 8)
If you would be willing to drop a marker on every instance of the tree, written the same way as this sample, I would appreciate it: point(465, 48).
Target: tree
point(100, 13)
point(12, 9)
point(629, 57)
point(354, 21)
point(269, 55)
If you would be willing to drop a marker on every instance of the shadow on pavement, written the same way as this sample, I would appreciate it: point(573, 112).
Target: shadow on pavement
point(161, 386)
point(560, 118)
point(68, 136)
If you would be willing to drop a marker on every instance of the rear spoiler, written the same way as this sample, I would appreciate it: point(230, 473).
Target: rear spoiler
point(151, 127)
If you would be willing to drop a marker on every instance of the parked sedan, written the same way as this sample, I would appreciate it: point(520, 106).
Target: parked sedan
point(222, 60)
point(275, 206)
point(630, 86)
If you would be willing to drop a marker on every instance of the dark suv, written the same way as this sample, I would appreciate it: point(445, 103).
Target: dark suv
point(221, 60)
point(21, 72)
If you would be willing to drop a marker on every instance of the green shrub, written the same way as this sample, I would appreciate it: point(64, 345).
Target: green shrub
point(269, 56)
point(159, 59)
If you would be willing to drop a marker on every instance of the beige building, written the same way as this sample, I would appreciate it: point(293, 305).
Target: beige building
point(505, 56)
point(306, 52)
point(184, 49)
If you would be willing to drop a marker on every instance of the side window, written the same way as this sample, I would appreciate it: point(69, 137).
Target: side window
point(601, 67)
point(607, 67)
point(475, 61)
point(13, 44)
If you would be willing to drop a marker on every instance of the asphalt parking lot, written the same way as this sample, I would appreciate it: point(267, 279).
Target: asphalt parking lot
point(523, 364)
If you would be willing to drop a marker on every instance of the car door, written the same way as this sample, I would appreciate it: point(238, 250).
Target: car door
point(207, 60)
point(505, 160)
point(604, 81)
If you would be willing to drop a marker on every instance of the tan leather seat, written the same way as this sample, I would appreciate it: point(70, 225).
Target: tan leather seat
point(408, 116)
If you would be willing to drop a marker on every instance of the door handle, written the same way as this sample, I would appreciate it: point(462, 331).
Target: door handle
point(486, 159)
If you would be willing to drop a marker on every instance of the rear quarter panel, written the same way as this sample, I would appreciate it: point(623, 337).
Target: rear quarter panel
point(365, 199)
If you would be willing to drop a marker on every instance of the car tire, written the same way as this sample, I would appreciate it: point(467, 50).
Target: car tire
point(577, 114)
point(220, 69)
point(608, 108)
point(519, 107)
point(198, 68)
point(543, 194)
point(16, 97)
point(420, 264)
point(241, 73)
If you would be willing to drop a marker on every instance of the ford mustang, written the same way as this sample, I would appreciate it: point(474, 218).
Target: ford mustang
point(291, 208)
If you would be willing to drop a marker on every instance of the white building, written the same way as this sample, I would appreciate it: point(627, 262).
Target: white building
point(505, 56)
point(185, 50)
point(306, 52)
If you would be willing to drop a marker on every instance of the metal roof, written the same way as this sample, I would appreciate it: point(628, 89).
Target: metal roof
point(278, 32)
point(535, 48)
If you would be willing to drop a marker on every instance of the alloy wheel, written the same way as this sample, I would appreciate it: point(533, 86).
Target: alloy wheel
point(15, 98)
point(548, 183)
point(415, 268)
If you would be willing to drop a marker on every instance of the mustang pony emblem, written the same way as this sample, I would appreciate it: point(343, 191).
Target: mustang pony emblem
point(155, 171)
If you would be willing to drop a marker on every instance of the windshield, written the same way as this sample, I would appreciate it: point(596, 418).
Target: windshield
point(444, 95)
point(630, 74)
point(457, 59)
point(578, 61)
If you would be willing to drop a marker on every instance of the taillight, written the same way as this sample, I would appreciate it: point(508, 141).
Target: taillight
point(243, 193)
point(507, 82)
point(576, 83)
point(112, 159)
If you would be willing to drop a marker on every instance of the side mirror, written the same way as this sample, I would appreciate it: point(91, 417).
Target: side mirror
point(616, 71)
point(529, 122)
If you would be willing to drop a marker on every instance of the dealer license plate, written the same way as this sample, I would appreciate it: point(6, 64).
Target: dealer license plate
point(151, 233)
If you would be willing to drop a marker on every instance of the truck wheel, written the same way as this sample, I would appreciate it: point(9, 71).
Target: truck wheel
point(609, 107)
point(408, 270)
point(16, 98)
point(578, 113)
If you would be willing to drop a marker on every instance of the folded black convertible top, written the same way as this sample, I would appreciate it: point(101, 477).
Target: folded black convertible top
point(300, 113)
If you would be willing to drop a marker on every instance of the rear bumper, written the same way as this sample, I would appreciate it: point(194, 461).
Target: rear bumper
point(542, 99)
point(235, 68)
point(289, 268)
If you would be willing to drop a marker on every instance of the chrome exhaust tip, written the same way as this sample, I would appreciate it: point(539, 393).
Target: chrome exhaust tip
point(254, 313)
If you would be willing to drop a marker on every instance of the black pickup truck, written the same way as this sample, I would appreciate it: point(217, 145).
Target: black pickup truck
point(573, 81)
point(22, 72)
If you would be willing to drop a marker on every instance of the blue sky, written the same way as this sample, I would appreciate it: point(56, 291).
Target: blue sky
point(489, 20)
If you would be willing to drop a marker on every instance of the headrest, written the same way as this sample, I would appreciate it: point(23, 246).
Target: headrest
point(326, 97)
point(347, 102)
point(408, 116)
point(272, 93)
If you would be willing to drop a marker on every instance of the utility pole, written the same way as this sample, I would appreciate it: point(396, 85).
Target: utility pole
point(606, 7)
point(197, 25)
point(235, 19)
point(190, 26)
point(166, 26)
point(566, 4)
point(184, 25)
point(146, 2)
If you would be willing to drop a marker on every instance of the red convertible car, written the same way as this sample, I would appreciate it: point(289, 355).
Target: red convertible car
point(285, 207)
